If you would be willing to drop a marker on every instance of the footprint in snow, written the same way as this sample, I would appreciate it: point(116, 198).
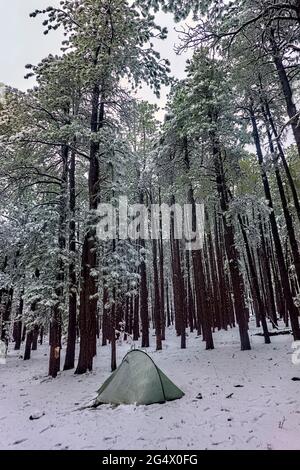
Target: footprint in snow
point(19, 442)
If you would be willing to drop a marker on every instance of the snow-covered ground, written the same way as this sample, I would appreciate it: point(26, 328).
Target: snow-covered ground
point(248, 400)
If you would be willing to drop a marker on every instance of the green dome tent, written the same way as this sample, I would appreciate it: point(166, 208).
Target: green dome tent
point(137, 380)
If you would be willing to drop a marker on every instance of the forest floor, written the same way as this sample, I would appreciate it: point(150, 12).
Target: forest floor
point(249, 400)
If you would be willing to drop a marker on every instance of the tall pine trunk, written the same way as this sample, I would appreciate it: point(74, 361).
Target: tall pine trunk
point(71, 343)
point(254, 279)
point(56, 319)
point(161, 276)
point(143, 291)
point(286, 212)
point(178, 282)
point(28, 344)
point(89, 280)
point(283, 159)
point(157, 301)
point(287, 90)
point(231, 250)
point(293, 312)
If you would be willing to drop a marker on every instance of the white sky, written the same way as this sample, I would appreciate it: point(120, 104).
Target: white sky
point(22, 41)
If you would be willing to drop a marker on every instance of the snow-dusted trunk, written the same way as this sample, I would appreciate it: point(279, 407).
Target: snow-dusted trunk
point(136, 320)
point(131, 313)
point(201, 299)
point(127, 317)
point(6, 313)
point(89, 279)
point(293, 312)
point(203, 315)
point(286, 212)
point(105, 319)
point(215, 297)
point(56, 319)
point(144, 304)
point(178, 283)
point(287, 91)
point(70, 351)
point(255, 281)
point(201, 290)
point(226, 306)
point(3, 292)
point(283, 158)
point(157, 300)
point(267, 273)
point(168, 305)
point(190, 296)
point(35, 337)
point(29, 331)
point(162, 276)
point(144, 291)
point(88, 308)
point(162, 290)
point(113, 358)
point(231, 250)
point(280, 302)
point(6, 295)
point(41, 335)
point(17, 334)
point(24, 334)
point(28, 344)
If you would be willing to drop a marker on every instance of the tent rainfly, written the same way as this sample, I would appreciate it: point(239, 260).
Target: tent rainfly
point(139, 381)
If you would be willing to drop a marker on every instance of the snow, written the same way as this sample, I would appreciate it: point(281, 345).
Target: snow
point(248, 400)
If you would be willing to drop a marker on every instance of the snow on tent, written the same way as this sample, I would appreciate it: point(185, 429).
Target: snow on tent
point(137, 380)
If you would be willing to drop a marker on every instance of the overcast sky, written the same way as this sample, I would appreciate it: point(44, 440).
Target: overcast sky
point(22, 42)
